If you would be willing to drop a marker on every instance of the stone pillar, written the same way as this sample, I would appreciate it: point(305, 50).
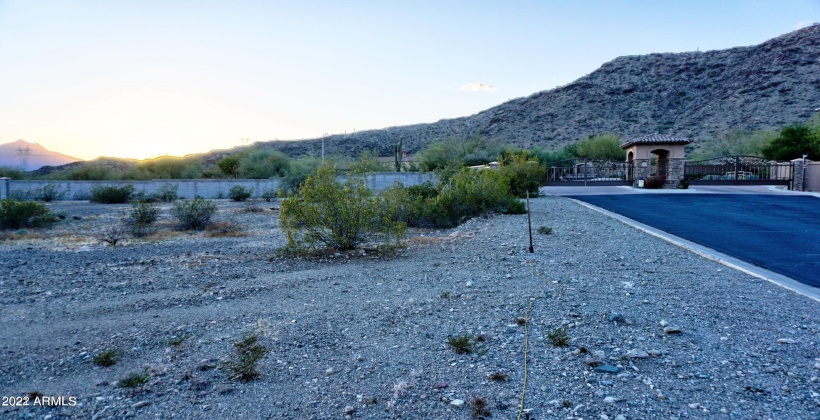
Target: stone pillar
point(674, 172)
point(5, 184)
point(798, 175)
point(643, 169)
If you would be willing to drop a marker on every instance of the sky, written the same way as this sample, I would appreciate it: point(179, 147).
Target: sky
point(142, 79)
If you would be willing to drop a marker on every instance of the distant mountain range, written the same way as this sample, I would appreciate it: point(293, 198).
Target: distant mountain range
point(21, 154)
point(698, 95)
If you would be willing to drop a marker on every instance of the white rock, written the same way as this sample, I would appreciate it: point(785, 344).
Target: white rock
point(637, 354)
point(664, 323)
point(786, 341)
point(457, 403)
point(350, 410)
point(610, 400)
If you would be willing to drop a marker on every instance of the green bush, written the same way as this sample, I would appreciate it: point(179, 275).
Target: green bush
point(242, 365)
point(24, 214)
point(239, 193)
point(167, 192)
point(337, 215)
point(269, 195)
point(524, 175)
point(49, 193)
point(193, 214)
point(111, 195)
point(471, 193)
point(141, 218)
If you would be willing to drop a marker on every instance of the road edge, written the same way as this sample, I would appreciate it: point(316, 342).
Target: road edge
point(711, 254)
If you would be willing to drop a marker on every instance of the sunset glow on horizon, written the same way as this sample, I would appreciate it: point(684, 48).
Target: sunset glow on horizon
point(151, 78)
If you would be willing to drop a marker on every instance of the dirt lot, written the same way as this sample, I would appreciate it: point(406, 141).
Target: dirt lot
point(366, 336)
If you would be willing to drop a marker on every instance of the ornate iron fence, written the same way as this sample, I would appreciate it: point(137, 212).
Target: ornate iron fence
point(736, 170)
point(588, 172)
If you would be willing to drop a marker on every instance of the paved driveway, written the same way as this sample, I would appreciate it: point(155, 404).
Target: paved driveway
point(778, 232)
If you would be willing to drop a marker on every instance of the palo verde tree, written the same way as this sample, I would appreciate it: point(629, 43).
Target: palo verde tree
point(337, 215)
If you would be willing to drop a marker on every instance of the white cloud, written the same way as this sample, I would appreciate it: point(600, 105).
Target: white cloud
point(475, 87)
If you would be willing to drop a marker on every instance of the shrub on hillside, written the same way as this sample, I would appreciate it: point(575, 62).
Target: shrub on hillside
point(24, 214)
point(239, 193)
point(193, 214)
point(111, 195)
point(337, 215)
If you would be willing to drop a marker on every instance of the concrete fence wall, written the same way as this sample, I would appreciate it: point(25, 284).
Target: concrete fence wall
point(813, 176)
point(188, 188)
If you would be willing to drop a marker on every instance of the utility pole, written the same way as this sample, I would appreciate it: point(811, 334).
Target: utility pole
point(24, 154)
point(323, 147)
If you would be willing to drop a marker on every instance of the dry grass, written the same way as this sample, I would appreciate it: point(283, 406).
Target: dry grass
point(226, 228)
point(426, 240)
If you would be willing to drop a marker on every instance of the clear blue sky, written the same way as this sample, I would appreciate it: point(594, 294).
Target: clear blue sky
point(147, 78)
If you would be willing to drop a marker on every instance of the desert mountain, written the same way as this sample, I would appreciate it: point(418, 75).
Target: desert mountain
point(695, 94)
point(38, 156)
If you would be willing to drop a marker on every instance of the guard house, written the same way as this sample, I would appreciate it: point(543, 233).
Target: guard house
point(656, 155)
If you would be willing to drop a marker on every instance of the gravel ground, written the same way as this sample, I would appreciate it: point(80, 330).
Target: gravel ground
point(653, 331)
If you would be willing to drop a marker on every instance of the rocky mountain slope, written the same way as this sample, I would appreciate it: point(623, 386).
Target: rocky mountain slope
point(695, 94)
point(38, 156)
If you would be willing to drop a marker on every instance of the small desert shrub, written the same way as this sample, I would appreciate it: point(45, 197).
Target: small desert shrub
point(49, 193)
point(111, 195)
point(683, 184)
point(544, 230)
point(142, 218)
point(225, 228)
point(479, 405)
point(106, 358)
point(654, 182)
point(242, 364)
point(143, 213)
point(167, 192)
point(24, 214)
point(239, 193)
point(558, 337)
point(113, 234)
point(497, 376)
point(269, 195)
point(193, 214)
point(177, 340)
point(134, 379)
point(338, 215)
point(252, 206)
point(461, 344)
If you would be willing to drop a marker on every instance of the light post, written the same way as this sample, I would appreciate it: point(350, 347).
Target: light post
point(803, 173)
point(323, 147)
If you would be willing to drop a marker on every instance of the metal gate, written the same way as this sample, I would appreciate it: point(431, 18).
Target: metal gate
point(738, 170)
point(588, 172)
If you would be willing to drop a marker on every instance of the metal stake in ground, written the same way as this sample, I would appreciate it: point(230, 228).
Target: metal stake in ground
point(529, 222)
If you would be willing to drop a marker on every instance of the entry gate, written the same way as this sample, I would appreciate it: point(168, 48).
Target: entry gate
point(574, 172)
point(738, 170)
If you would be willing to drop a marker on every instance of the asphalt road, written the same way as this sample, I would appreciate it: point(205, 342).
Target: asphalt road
point(777, 232)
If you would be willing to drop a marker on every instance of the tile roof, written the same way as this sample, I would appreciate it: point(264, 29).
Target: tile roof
point(656, 139)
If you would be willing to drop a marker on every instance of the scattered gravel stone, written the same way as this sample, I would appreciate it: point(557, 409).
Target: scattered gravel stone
point(637, 354)
point(607, 369)
point(379, 325)
point(456, 403)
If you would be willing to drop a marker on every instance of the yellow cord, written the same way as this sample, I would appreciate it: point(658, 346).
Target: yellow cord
point(526, 350)
point(527, 335)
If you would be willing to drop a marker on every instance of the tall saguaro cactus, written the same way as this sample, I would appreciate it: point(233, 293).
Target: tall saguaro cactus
point(397, 155)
